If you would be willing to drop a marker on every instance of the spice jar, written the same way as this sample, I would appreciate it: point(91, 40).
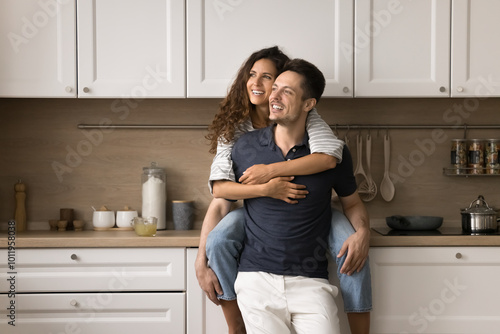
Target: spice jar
point(154, 194)
point(491, 156)
point(475, 156)
point(459, 155)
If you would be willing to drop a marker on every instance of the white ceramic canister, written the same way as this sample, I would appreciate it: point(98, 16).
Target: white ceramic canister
point(125, 218)
point(103, 219)
point(154, 194)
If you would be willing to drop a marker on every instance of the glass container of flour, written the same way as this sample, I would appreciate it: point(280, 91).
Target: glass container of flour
point(154, 194)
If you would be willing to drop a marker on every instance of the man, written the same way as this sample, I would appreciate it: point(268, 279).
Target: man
point(282, 284)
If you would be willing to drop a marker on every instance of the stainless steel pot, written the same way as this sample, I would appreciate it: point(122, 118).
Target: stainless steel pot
point(479, 217)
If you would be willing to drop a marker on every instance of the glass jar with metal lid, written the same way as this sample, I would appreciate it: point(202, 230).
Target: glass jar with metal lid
point(475, 161)
point(154, 194)
point(491, 156)
point(458, 156)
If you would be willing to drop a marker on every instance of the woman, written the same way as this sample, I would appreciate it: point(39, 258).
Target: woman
point(245, 108)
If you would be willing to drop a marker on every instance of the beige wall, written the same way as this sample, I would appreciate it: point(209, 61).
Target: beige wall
point(104, 168)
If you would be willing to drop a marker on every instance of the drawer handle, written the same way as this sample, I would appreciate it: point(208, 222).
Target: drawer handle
point(74, 257)
point(458, 255)
point(73, 302)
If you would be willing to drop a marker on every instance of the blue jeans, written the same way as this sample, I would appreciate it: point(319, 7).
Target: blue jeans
point(226, 241)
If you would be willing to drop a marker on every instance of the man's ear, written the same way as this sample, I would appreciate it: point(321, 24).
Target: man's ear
point(309, 104)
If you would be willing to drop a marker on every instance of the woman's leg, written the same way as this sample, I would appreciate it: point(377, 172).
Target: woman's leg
point(356, 288)
point(224, 246)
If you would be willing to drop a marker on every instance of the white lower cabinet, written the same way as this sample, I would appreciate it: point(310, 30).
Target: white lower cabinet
point(94, 291)
point(97, 313)
point(435, 290)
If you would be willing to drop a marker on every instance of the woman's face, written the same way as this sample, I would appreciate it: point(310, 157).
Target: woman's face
point(259, 85)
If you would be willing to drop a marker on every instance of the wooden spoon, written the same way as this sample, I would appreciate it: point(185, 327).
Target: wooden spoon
point(387, 188)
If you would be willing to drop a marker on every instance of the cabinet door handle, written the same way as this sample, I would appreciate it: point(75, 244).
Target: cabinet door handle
point(74, 257)
point(442, 89)
point(458, 255)
point(68, 89)
point(460, 89)
point(346, 90)
point(86, 89)
point(73, 302)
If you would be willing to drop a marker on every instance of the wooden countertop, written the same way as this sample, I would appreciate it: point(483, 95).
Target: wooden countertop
point(92, 239)
point(379, 240)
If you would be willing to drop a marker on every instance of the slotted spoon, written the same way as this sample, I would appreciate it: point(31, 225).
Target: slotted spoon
point(359, 172)
point(368, 188)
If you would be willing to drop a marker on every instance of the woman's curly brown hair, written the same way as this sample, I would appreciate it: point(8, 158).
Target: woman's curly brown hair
point(236, 106)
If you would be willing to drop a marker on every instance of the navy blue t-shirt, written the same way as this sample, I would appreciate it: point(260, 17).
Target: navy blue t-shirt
point(282, 238)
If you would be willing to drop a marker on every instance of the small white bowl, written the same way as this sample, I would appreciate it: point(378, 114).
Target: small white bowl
point(125, 218)
point(103, 219)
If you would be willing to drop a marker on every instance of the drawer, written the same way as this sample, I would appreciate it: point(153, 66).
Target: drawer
point(96, 270)
point(96, 313)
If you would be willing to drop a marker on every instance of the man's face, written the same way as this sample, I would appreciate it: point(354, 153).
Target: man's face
point(286, 103)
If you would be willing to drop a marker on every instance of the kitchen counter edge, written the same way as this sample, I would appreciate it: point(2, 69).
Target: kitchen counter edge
point(105, 239)
point(191, 238)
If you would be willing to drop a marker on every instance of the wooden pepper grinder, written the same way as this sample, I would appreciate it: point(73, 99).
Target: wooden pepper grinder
point(20, 213)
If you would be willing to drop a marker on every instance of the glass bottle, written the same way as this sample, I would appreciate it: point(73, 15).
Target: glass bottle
point(154, 194)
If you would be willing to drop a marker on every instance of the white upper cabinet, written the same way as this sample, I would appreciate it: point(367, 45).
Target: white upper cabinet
point(475, 59)
point(131, 48)
point(222, 34)
point(37, 57)
point(194, 48)
point(402, 48)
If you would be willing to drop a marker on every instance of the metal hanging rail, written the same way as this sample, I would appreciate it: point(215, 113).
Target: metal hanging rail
point(140, 126)
point(334, 126)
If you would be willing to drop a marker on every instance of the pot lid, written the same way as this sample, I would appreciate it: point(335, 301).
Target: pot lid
point(479, 206)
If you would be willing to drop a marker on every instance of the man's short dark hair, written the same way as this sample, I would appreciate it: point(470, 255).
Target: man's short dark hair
point(313, 83)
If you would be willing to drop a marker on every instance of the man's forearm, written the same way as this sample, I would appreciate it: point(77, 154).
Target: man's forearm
point(356, 212)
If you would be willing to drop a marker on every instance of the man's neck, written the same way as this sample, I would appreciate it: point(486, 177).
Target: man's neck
point(288, 136)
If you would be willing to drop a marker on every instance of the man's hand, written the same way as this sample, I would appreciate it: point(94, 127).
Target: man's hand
point(256, 174)
point(357, 247)
point(281, 188)
point(208, 281)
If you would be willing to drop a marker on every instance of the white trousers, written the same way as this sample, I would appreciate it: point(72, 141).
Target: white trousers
point(277, 304)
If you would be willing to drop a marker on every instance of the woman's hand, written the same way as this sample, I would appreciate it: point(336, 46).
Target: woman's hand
point(257, 174)
point(281, 188)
